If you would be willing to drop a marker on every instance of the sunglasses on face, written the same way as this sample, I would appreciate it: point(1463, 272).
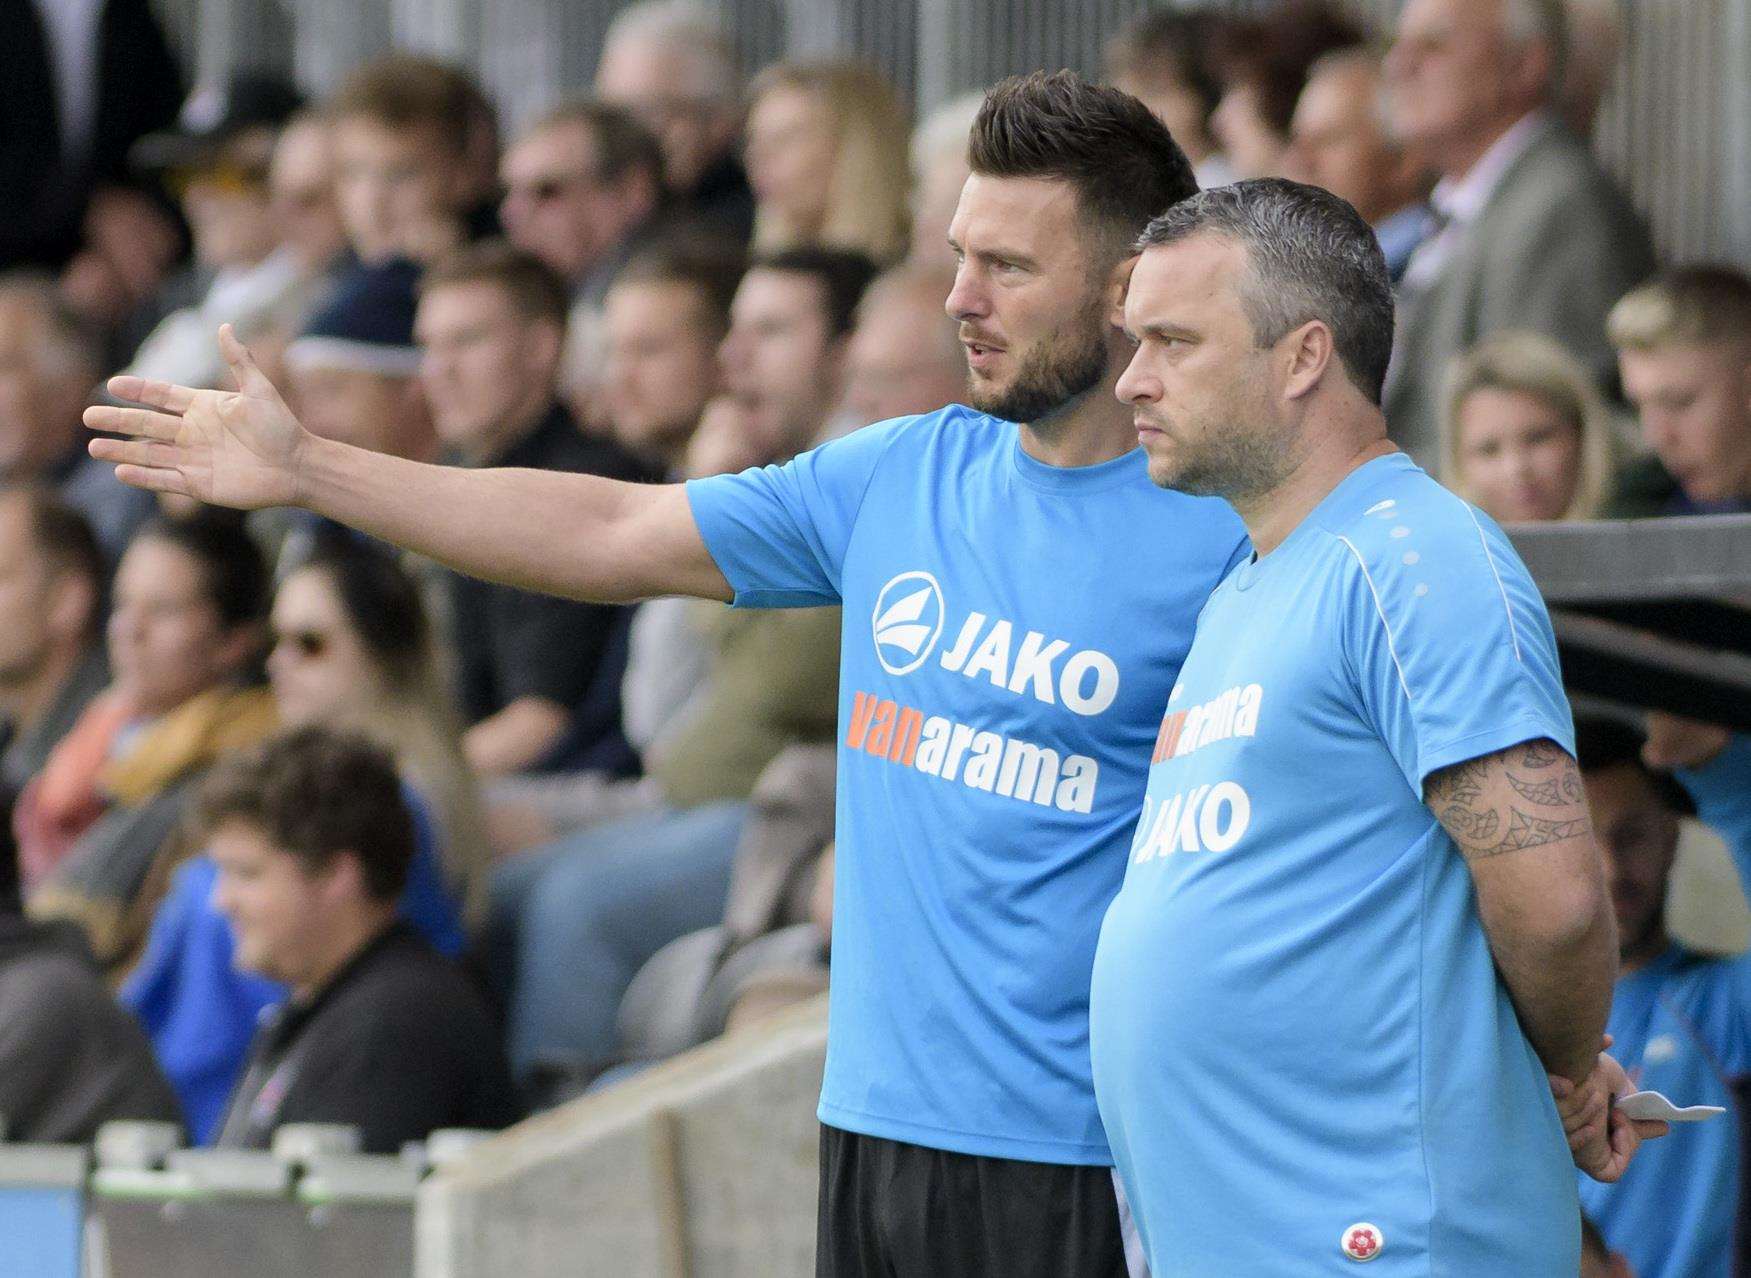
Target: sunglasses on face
point(306, 643)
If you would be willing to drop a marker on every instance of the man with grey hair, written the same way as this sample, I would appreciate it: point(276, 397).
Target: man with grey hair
point(672, 64)
point(1338, 139)
point(1535, 234)
point(1364, 930)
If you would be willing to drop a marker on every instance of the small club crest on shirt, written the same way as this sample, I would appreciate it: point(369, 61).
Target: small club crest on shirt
point(1362, 1241)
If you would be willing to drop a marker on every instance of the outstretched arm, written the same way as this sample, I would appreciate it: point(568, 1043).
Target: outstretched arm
point(581, 536)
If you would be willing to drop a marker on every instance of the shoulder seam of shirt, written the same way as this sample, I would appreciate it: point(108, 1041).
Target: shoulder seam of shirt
point(1379, 609)
point(1490, 559)
point(893, 437)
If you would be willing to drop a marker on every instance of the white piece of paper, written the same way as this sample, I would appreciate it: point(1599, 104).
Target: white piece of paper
point(1652, 1105)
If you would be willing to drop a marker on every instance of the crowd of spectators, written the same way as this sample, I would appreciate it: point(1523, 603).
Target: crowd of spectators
point(263, 767)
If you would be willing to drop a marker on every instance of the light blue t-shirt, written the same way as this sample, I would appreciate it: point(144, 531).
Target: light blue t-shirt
point(1011, 631)
point(1300, 1040)
point(1682, 1026)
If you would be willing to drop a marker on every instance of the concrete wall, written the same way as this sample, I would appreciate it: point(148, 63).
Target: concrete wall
point(704, 1167)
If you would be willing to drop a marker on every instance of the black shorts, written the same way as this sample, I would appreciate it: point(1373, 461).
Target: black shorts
point(893, 1210)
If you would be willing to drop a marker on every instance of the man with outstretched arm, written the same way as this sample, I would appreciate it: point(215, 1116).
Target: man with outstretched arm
point(1005, 657)
point(1364, 937)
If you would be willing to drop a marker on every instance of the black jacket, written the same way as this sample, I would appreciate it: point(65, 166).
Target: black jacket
point(71, 1058)
point(42, 201)
point(398, 1044)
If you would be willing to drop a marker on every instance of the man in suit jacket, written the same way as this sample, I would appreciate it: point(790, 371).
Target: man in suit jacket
point(1534, 234)
point(80, 82)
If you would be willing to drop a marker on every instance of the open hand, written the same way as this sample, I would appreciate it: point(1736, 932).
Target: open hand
point(240, 448)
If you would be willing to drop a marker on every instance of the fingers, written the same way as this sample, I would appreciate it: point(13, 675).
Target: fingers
point(1650, 1128)
point(154, 480)
point(163, 395)
point(250, 379)
point(139, 422)
point(134, 452)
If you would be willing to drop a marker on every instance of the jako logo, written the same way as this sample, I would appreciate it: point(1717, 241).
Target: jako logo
point(907, 621)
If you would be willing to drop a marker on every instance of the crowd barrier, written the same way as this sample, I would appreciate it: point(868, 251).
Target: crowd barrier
point(703, 1167)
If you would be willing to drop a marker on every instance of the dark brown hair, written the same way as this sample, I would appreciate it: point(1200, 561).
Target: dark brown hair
point(1273, 53)
point(711, 267)
point(535, 291)
point(1123, 162)
point(314, 793)
point(406, 91)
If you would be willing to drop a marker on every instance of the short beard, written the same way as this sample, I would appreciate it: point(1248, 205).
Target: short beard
point(1066, 365)
point(1238, 466)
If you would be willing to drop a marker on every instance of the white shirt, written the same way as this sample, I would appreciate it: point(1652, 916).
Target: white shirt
point(70, 29)
point(1458, 201)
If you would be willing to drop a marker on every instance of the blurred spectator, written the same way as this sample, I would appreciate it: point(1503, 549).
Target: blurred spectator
point(602, 901)
point(1338, 140)
point(1598, 1260)
point(70, 1059)
point(1684, 345)
point(1524, 432)
point(939, 171)
point(1168, 59)
point(672, 64)
point(1681, 1020)
point(1534, 234)
point(80, 80)
point(352, 651)
point(539, 676)
point(407, 155)
point(665, 316)
point(51, 661)
point(50, 362)
point(583, 189)
point(1595, 43)
point(580, 185)
point(302, 188)
point(352, 373)
point(827, 159)
point(184, 633)
point(217, 162)
point(313, 842)
point(905, 355)
point(784, 358)
point(1264, 64)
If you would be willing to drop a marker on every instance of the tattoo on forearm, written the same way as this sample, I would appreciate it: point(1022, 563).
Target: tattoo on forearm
point(1542, 801)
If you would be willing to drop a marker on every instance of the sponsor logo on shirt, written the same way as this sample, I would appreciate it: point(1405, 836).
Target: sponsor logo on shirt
point(907, 625)
point(981, 760)
point(1233, 714)
point(1206, 818)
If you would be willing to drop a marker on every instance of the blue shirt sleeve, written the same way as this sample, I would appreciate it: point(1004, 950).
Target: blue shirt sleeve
point(779, 533)
point(1449, 642)
point(1721, 790)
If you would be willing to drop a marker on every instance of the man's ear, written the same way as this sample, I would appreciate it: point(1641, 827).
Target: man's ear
point(1309, 352)
point(1118, 285)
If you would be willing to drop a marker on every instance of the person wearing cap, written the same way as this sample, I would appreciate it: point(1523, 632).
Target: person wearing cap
point(1680, 1018)
point(353, 369)
point(313, 840)
point(217, 161)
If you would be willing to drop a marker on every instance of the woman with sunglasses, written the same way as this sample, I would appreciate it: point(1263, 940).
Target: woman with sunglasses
point(351, 650)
